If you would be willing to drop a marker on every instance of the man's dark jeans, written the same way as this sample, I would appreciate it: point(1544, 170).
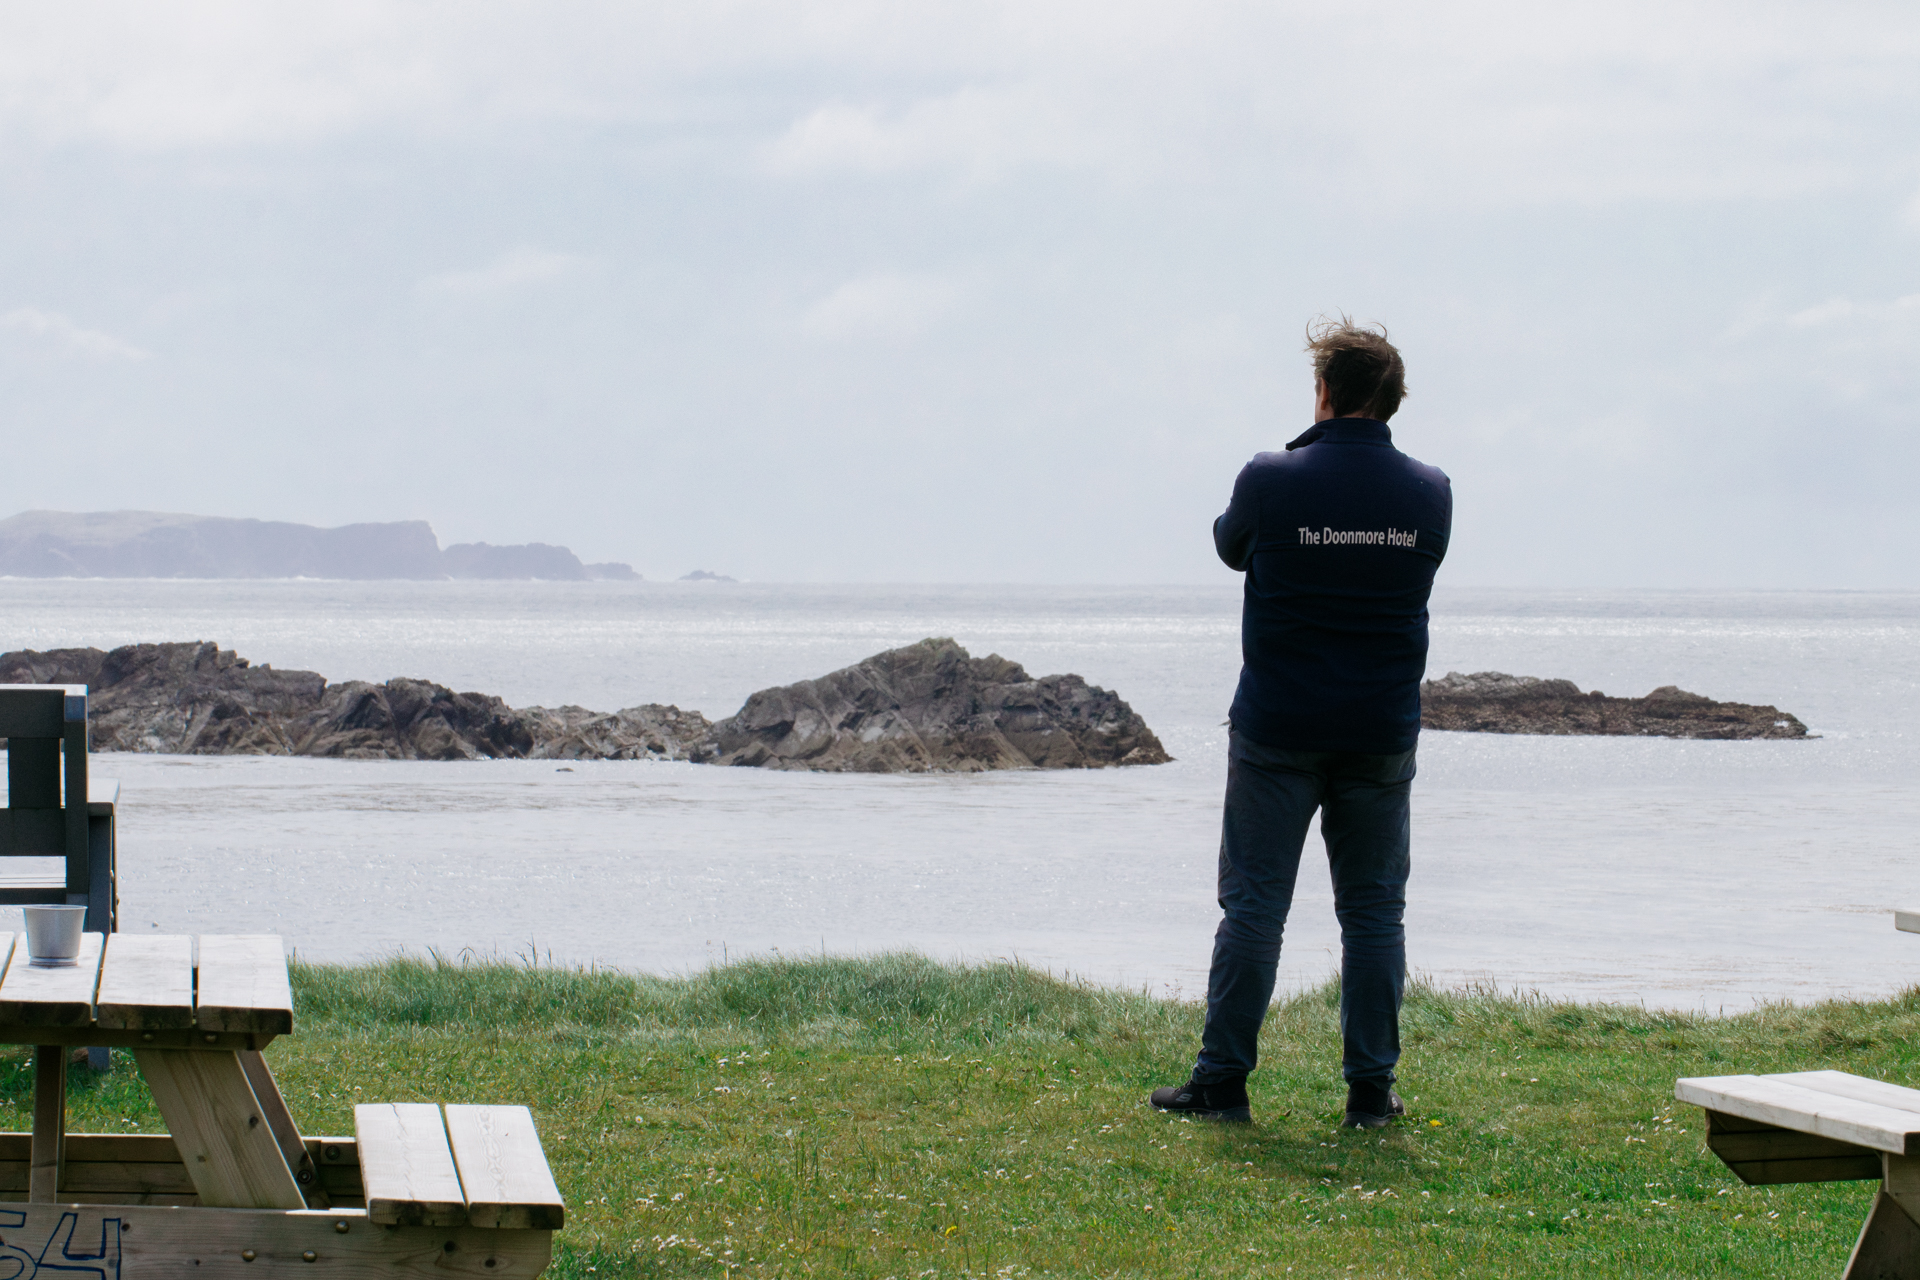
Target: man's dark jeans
point(1271, 797)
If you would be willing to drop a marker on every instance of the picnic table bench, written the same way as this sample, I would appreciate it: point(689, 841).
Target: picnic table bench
point(1825, 1126)
point(234, 1189)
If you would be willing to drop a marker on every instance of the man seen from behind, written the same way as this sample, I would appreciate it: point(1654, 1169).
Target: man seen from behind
point(1339, 538)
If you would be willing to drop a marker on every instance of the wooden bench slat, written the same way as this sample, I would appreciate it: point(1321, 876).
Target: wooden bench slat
point(1843, 1084)
point(1792, 1106)
point(1775, 1173)
point(243, 984)
point(140, 1178)
point(121, 1148)
point(406, 1165)
point(146, 983)
point(31, 997)
point(503, 1168)
point(1783, 1144)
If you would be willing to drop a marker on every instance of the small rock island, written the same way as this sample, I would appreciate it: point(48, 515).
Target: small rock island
point(925, 708)
point(1494, 702)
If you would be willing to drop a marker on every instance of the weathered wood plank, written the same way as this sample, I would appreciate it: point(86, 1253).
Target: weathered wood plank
point(106, 1177)
point(503, 1168)
point(1783, 1144)
point(32, 999)
point(224, 1140)
point(136, 1147)
point(1770, 1173)
point(48, 1151)
point(1721, 1122)
point(1843, 1084)
point(406, 1165)
point(107, 1198)
point(243, 984)
point(88, 1034)
point(1792, 1106)
point(146, 983)
point(141, 1242)
point(280, 1119)
point(1889, 1244)
point(336, 1159)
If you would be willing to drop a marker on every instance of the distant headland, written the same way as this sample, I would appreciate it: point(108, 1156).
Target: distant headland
point(156, 544)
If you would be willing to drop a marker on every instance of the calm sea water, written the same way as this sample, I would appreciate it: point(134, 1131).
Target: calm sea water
point(1687, 874)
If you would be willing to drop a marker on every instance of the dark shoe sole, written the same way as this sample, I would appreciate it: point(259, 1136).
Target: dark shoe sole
point(1233, 1115)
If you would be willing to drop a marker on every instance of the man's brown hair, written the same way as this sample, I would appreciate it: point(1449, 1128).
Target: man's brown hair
point(1363, 371)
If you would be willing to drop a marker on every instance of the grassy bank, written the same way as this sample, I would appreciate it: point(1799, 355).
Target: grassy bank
point(898, 1117)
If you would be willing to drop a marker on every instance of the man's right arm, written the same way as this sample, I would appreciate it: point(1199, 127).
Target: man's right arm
point(1238, 528)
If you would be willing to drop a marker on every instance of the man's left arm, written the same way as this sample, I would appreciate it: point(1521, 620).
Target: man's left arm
point(1237, 529)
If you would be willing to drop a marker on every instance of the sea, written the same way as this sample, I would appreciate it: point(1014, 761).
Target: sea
point(1708, 876)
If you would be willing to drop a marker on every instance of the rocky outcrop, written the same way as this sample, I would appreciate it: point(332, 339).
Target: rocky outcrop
point(926, 708)
point(930, 707)
point(1493, 702)
point(650, 732)
point(200, 699)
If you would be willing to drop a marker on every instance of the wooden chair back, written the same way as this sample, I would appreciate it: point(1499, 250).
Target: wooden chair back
point(47, 814)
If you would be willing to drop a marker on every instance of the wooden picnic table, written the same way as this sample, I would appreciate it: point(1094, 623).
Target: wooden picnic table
point(234, 1188)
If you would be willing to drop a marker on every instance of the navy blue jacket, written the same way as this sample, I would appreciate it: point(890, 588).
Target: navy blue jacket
point(1339, 537)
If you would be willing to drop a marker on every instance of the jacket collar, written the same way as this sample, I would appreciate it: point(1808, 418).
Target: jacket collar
point(1343, 431)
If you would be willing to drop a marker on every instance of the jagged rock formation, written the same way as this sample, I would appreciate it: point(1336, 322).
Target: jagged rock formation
point(649, 732)
point(156, 544)
point(927, 707)
point(930, 707)
point(200, 699)
point(1493, 702)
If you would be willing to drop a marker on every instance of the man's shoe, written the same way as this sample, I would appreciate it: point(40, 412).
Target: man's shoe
point(1224, 1101)
point(1371, 1106)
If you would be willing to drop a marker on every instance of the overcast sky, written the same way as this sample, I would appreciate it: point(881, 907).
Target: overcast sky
point(974, 291)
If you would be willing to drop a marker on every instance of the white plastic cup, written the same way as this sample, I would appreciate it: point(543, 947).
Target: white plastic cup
point(53, 935)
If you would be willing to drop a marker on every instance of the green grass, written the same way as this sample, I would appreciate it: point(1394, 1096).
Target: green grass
point(897, 1117)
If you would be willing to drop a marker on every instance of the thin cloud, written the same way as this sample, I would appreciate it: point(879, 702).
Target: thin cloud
point(1484, 103)
point(516, 269)
point(59, 331)
point(979, 132)
point(886, 306)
